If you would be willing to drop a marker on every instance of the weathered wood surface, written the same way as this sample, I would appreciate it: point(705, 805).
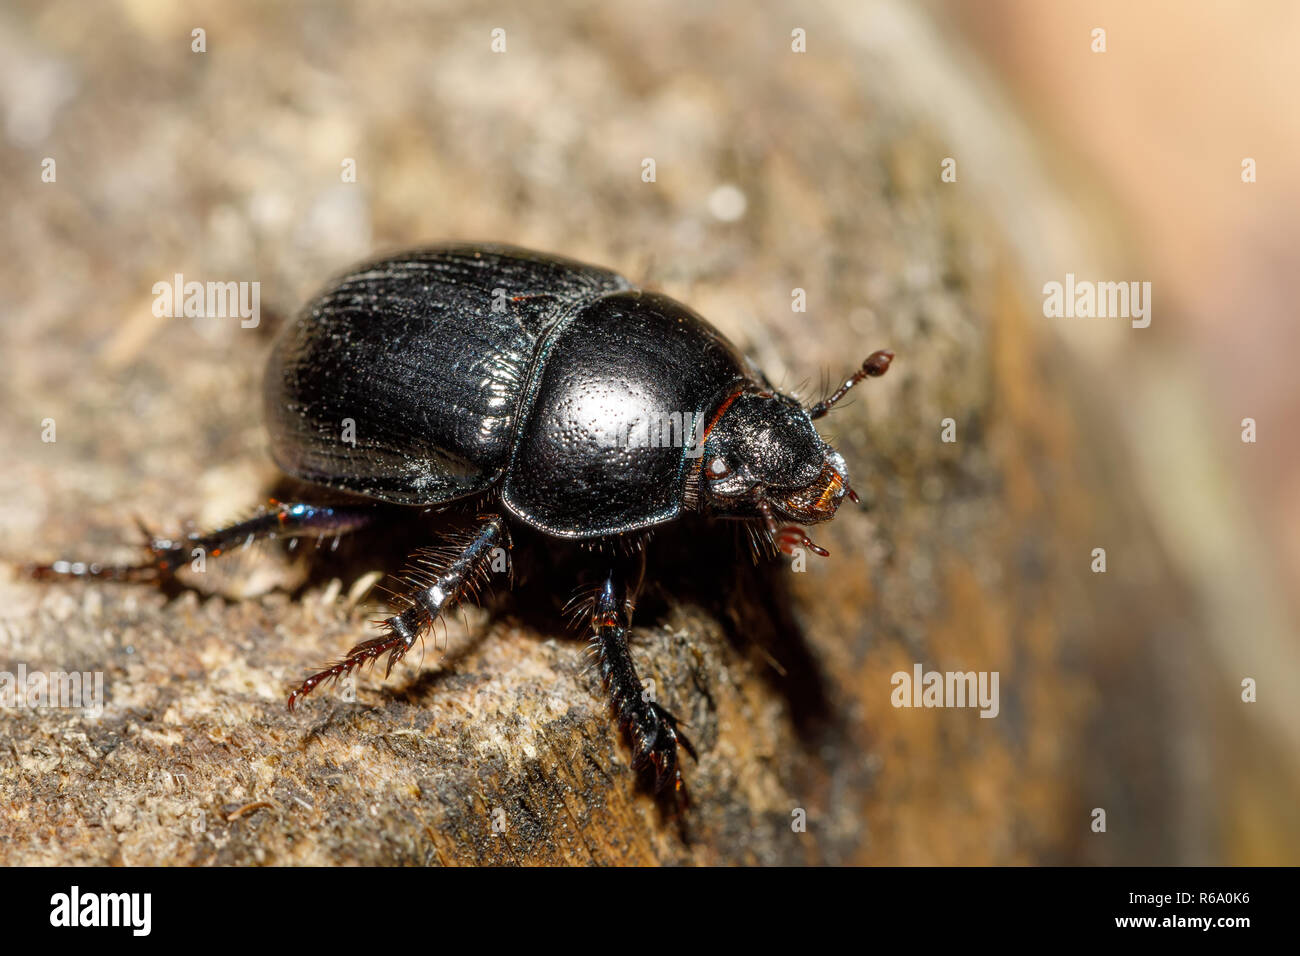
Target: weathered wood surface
point(974, 555)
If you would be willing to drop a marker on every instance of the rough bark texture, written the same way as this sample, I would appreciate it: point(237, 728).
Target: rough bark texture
point(974, 556)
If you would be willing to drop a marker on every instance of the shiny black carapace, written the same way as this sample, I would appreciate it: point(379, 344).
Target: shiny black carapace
point(545, 392)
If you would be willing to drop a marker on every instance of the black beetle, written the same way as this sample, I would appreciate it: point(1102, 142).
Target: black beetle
point(552, 393)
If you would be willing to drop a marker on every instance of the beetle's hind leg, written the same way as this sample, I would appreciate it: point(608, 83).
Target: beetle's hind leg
point(437, 581)
point(279, 519)
point(653, 731)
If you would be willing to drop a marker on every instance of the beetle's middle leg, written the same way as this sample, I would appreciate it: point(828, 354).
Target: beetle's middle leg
point(437, 582)
point(653, 731)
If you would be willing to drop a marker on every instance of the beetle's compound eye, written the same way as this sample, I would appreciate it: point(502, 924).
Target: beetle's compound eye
point(717, 468)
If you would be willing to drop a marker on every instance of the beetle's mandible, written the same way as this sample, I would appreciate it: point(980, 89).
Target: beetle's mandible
point(550, 394)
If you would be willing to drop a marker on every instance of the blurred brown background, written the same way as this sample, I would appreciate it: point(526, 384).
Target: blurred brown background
point(1120, 691)
point(1145, 145)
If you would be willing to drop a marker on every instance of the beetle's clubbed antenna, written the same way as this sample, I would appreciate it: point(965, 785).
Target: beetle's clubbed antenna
point(876, 365)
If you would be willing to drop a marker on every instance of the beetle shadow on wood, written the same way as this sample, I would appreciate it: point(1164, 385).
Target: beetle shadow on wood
point(712, 565)
point(690, 562)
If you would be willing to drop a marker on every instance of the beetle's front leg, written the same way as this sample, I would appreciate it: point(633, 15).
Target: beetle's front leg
point(652, 730)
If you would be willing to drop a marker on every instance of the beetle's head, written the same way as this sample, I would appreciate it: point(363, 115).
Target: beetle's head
point(763, 459)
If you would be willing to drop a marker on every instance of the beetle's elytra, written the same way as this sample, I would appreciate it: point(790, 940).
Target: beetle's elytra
point(552, 394)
